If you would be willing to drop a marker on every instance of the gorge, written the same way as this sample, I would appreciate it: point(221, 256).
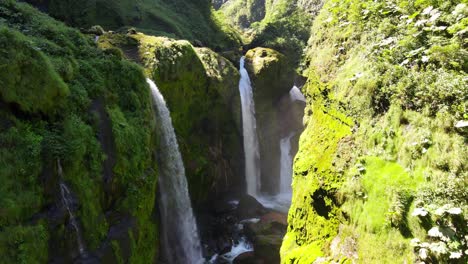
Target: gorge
point(233, 131)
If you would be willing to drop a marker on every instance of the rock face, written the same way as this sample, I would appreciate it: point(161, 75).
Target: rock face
point(272, 78)
point(201, 90)
point(267, 235)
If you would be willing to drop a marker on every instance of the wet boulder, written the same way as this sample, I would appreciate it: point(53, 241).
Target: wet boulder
point(249, 207)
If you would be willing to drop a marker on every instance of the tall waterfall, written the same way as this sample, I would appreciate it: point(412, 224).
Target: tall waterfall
point(180, 241)
point(68, 203)
point(286, 165)
point(251, 147)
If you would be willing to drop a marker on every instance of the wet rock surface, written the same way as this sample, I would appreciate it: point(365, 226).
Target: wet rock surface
point(232, 224)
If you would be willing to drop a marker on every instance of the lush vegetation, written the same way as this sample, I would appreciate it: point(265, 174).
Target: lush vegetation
point(393, 75)
point(188, 19)
point(281, 25)
point(60, 98)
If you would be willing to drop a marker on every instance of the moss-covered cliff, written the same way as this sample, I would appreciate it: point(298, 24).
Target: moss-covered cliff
point(381, 172)
point(201, 90)
point(63, 100)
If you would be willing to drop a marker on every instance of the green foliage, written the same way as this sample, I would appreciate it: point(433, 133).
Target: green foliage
point(21, 165)
point(187, 19)
point(398, 68)
point(97, 85)
point(40, 87)
point(280, 25)
point(445, 240)
point(24, 244)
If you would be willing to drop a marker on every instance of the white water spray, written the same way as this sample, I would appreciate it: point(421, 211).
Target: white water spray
point(286, 165)
point(251, 147)
point(296, 95)
point(180, 241)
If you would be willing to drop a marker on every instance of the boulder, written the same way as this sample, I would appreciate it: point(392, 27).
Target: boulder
point(246, 258)
point(249, 207)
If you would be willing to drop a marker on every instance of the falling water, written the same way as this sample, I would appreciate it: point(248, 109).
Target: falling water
point(67, 202)
point(251, 147)
point(296, 95)
point(180, 241)
point(286, 165)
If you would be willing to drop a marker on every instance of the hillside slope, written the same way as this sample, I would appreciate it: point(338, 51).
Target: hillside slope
point(187, 19)
point(381, 172)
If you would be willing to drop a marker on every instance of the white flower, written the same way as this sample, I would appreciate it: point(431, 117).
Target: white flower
point(440, 211)
point(439, 248)
point(434, 232)
point(455, 255)
point(415, 241)
point(462, 123)
point(425, 58)
point(423, 253)
point(427, 10)
point(455, 211)
point(419, 212)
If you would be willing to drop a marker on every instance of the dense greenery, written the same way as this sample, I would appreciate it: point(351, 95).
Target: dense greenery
point(61, 97)
point(387, 86)
point(281, 25)
point(188, 19)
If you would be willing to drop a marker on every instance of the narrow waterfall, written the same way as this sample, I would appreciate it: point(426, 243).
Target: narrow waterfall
point(251, 147)
point(67, 203)
point(296, 95)
point(286, 165)
point(180, 241)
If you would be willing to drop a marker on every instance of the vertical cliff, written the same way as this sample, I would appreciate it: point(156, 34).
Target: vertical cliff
point(380, 176)
point(64, 101)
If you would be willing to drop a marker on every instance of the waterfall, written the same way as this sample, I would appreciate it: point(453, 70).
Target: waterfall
point(296, 95)
point(286, 165)
point(251, 147)
point(67, 203)
point(180, 241)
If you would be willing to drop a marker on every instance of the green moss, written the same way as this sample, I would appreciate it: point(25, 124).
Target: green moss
point(105, 97)
point(39, 87)
point(401, 83)
point(200, 88)
point(385, 186)
point(314, 215)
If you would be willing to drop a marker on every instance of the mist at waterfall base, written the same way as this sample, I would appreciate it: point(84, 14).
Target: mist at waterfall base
point(180, 243)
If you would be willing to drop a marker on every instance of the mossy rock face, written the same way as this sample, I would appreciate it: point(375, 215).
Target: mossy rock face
point(62, 99)
point(270, 72)
point(201, 90)
point(27, 77)
point(376, 151)
point(272, 77)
